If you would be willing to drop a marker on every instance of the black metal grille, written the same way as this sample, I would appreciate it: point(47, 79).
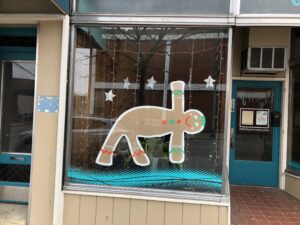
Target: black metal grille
point(18, 41)
point(15, 173)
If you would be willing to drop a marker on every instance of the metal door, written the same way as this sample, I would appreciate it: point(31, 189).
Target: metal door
point(255, 130)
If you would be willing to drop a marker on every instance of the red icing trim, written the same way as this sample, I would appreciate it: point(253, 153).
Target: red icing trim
point(138, 153)
point(187, 121)
point(163, 121)
point(104, 151)
point(178, 121)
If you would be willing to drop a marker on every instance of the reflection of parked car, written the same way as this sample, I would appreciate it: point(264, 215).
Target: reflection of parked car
point(95, 130)
point(92, 124)
point(24, 142)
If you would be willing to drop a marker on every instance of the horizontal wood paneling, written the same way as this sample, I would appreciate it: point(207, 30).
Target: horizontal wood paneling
point(138, 212)
point(92, 210)
point(104, 213)
point(191, 214)
point(87, 213)
point(71, 211)
point(173, 213)
point(292, 185)
point(209, 215)
point(155, 213)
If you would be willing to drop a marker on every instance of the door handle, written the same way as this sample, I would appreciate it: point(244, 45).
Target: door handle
point(17, 158)
point(232, 138)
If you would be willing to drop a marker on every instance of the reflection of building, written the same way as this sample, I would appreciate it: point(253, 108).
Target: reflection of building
point(250, 50)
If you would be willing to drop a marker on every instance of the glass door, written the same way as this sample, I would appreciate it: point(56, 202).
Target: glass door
point(17, 84)
point(255, 128)
point(17, 99)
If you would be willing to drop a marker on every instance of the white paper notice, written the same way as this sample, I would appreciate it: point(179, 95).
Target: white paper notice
point(262, 118)
point(247, 117)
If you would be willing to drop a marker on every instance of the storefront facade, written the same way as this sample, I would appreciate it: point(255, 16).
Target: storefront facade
point(145, 112)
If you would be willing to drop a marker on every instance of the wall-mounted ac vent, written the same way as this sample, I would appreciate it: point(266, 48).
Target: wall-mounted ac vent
point(263, 60)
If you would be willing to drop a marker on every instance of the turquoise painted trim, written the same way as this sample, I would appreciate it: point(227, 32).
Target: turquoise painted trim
point(295, 2)
point(18, 32)
point(18, 184)
point(15, 159)
point(17, 53)
point(64, 5)
point(294, 165)
point(261, 173)
point(164, 178)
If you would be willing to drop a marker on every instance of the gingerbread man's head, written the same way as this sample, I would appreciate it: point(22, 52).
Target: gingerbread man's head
point(194, 121)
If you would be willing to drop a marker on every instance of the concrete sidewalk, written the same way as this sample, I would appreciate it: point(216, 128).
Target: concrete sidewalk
point(12, 214)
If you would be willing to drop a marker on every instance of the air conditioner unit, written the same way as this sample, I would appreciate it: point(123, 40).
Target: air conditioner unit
point(263, 60)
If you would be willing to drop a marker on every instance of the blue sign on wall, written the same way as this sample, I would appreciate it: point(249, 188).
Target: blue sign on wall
point(47, 104)
point(63, 5)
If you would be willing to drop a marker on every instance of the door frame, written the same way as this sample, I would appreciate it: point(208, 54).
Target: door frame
point(276, 136)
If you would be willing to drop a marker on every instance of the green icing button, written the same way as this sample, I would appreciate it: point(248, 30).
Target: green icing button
point(172, 121)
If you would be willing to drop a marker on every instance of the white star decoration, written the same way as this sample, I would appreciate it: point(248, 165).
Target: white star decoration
point(209, 82)
point(151, 82)
point(109, 96)
point(126, 83)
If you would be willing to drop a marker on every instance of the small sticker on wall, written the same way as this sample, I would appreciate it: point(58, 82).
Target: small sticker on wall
point(47, 104)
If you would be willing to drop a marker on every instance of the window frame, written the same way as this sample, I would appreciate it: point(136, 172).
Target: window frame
point(223, 197)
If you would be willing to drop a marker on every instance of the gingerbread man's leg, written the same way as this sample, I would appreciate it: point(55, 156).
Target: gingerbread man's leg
point(176, 147)
point(138, 153)
point(105, 155)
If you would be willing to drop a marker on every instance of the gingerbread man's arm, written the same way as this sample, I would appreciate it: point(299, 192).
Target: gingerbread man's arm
point(176, 147)
point(177, 88)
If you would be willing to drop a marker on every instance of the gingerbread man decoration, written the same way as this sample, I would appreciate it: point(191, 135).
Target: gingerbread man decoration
point(153, 121)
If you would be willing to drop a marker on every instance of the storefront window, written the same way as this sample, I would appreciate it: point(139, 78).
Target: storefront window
point(147, 109)
point(157, 7)
point(294, 123)
point(268, 7)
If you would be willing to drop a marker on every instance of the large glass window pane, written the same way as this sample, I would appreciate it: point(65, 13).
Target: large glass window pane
point(17, 106)
point(254, 133)
point(294, 123)
point(268, 7)
point(123, 107)
point(171, 7)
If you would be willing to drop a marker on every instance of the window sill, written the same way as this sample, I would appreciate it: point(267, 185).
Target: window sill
point(292, 173)
point(147, 194)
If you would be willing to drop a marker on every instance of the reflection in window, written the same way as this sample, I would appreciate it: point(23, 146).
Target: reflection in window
point(119, 68)
point(17, 107)
point(294, 124)
point(254, 134)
